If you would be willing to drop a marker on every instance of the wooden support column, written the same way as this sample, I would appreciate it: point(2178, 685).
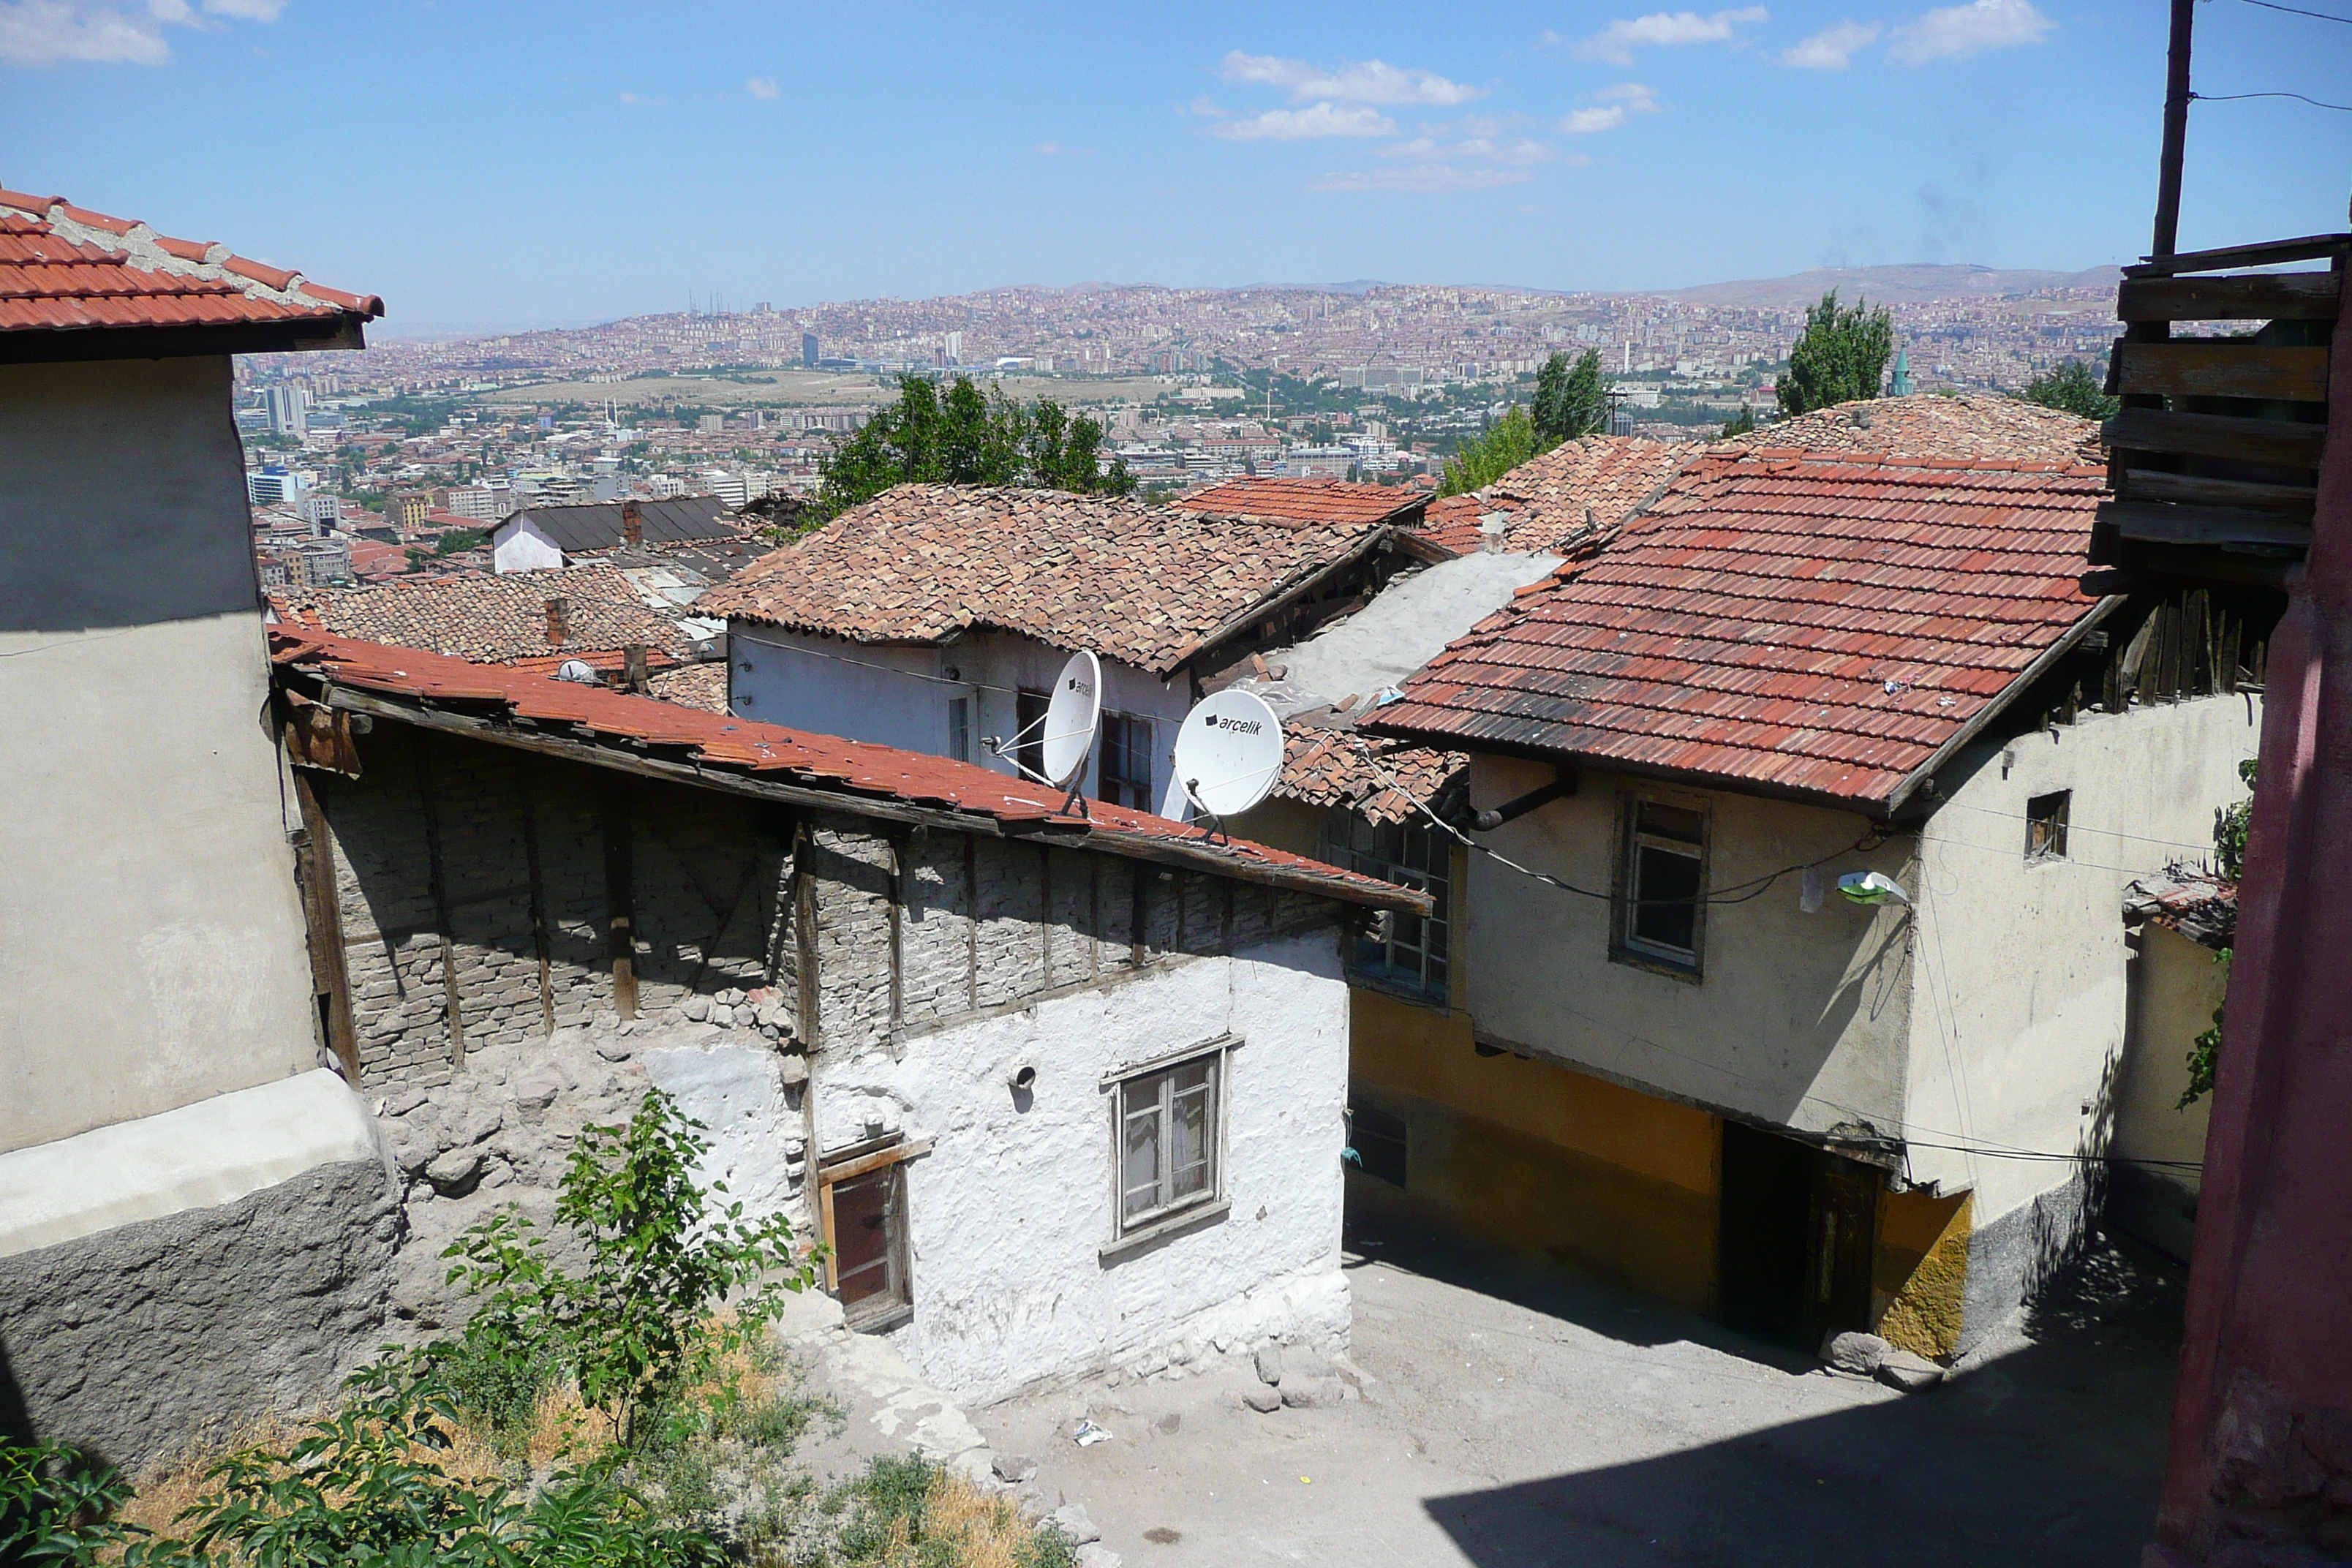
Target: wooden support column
point(1138, 931)
point(1045, 912)
point(322, 914)
point(526, 773)
point(620, 899)
point(804, 960)
point(438, 884)
point(972, 921)
point(897, 915)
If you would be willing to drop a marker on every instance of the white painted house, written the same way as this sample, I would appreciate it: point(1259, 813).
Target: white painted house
point(935, 617)
point(540, 538)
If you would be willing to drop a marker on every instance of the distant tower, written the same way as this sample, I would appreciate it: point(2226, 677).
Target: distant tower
point(1900, 387)
point(808, 348)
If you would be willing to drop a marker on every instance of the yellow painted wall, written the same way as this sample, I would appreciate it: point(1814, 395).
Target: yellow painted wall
point(1536, 1157)
point(1919, 1275)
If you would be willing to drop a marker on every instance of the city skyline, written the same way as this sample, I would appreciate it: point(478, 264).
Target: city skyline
point(498, 170)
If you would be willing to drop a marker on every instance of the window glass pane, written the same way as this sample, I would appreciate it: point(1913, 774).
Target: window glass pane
point(959, 729)
point(1139, 1160)
point(1191, 1130)
point(1666, 888)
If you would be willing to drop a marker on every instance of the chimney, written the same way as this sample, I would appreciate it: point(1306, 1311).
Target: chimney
point(559, 622)
point(633, 523)
point(633, 657)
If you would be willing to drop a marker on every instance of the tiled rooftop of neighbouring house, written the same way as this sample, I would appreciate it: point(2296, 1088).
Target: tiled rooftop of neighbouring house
point(1338, 501)
point(1379, 780)
point(495, 619)
point(1804, 622)
point(1552, 503)
point(854, 771)
point(1143, 585)
point(583, 526)
point(65, 268)
point(1976, 427)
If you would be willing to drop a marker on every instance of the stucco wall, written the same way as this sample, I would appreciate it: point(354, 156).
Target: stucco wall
point(2018, 1028)
point(519, 545)
point(150, 937)
point(2176, 987)
point(1010, 1211)
point(1800, 1020)
point(899, 696)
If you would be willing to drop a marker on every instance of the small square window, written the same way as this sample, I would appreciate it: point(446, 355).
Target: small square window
point(1126, 776)
point(1662, 881)
point(1029, 725)
point(1170, 1138)
point(1381, 1140)
point(960, 728)
point(2045, 825)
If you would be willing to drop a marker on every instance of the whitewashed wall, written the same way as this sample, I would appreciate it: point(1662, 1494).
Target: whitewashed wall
point(899, 696)
point(1010, 1212)
point(519, 546)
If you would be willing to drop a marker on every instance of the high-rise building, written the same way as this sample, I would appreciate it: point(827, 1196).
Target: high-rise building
point(810, 348)
point(952, 346)
point(289, 409)
point(273, 486)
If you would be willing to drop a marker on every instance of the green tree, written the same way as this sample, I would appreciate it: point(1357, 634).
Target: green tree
point(2072, 388)
point(1571, 402)
point(1488, 456)
point(1839, 357)
point(1739, 424)
point(968, 438)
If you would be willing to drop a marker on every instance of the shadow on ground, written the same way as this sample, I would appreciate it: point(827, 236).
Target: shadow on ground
point(2048, 1451)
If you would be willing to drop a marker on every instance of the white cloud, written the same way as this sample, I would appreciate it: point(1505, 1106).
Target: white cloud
point(1617, 41)
point(1430, 164)
point(1619, 104)
point(1831, 48)
point(1046, 149)
point(762, 87)
point(1301, 124)
point(1420, 179)
point(1350, 81)
point(1957, 32)
point(52, 32)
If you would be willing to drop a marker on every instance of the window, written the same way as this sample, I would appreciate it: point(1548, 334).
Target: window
point(1412, 952)
point(1169, 1135)
point(960, 728)
point(1381, 1140)
point(867, 1210)
point(1029, 729)
point(1662, 883)
point(1127, 761)
point(2045, 825)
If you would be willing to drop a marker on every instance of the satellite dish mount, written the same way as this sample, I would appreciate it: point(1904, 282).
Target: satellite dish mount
point(1065, 737)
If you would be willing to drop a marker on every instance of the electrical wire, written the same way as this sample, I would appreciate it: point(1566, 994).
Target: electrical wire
point(2299, 11)
point(2235, 97)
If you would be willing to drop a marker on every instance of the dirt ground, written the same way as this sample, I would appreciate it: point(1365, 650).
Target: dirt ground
point(1518, 1415)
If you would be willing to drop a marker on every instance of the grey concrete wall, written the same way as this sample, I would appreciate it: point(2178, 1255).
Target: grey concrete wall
point(150, 937)
point(138, 1340)
point(1803, 1020)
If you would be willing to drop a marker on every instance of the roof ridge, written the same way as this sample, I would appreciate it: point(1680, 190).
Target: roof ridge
point(148, 250)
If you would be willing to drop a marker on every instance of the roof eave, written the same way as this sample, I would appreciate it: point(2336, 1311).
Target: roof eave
point(57, 345)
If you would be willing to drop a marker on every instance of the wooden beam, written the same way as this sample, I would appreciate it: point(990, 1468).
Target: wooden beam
point(2288, 445)
point(2256, 297)
point(2175, 127)
point(2191, 367)
point(330, 975)
point(2269, 253)
point(620, 899)
point(540, 944)
point(2158, 525)
point(2291, 501)
point(2201, 564)
point(437, 883)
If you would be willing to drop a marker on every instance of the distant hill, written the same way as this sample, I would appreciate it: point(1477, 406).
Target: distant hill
point(1908, 285)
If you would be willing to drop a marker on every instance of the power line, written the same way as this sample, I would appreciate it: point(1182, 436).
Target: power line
point(2299, 11)
point(2233, 97)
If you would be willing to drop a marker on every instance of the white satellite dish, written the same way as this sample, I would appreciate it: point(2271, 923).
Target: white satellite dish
point(577, 669)
point(1229, 753)
point(1072, 716)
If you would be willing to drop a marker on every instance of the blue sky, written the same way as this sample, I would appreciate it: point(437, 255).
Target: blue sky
point(485, 162)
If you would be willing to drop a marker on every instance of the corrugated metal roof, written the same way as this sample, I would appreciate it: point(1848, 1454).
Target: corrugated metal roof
point(854, 771)
point(596, 525)
point(1812, 624)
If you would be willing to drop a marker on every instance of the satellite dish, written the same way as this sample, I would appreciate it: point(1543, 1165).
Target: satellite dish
point(1072, 716)
point(1229, 753)
point(577, 669)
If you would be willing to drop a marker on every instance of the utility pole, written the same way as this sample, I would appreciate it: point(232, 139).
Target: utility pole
point(2175, 130)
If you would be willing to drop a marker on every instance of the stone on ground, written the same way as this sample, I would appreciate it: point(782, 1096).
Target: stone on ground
point(1901, 1369)
point(1857, 1354)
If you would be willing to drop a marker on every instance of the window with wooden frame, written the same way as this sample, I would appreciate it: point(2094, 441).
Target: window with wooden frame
point(1662, 885)
point(1169, 1127)
point(863, 1192)
point(959, 729)
point(1407, 951)
point(1029, 729)
point(1126, 767)
point(2045, 825)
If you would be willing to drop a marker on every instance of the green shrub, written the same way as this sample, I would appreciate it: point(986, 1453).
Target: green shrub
point(57, 1506)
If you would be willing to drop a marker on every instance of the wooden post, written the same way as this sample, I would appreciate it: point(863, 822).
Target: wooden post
point(804, 966)
point(331, 978)
point(526, 770)
point(2175, 130)
point(972, 921)
point(897, 847)
point(619, 900)
point(438, 884)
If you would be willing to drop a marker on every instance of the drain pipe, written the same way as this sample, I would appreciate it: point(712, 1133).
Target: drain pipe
point(1562, 785)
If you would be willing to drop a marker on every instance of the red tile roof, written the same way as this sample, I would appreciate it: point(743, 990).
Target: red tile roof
point(1810, 625)
point(851, 770)
point(1144, 584)
point(1337, 502)
point(495, 619)
point(1975, 426)
point(1577, 490)
point(63, 269)
point(1379, 780)
point(702, 686)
